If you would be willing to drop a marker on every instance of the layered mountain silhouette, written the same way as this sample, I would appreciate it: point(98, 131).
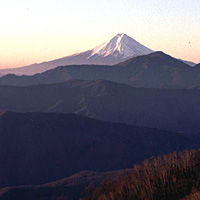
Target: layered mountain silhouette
point(118, 49)
point(156, 70)
point(169, 109)
point(101, 110)
point(41, 147)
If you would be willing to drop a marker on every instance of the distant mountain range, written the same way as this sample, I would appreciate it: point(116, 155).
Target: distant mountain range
point(155, 70)
point(118, 49)
point(41, 147)
point(168, 109)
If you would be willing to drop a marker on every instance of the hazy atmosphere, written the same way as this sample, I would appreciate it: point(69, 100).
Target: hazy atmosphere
point(37, 31)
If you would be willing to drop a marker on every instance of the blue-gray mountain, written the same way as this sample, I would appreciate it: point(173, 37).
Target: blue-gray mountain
point(156, 70)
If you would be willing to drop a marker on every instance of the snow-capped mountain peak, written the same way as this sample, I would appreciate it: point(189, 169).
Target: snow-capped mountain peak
point(118, 49)
point(121, 46)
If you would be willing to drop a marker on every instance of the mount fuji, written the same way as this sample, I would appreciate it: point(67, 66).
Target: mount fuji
point(121, 46)
point(118, 49)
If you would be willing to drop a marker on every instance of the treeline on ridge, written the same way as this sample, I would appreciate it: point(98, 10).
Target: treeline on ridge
point(171, 177)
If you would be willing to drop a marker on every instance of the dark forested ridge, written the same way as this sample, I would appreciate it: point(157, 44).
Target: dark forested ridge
point(174, 176)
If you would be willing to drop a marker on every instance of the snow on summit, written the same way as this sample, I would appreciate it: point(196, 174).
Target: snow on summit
point(121, 46)
point(118, 49)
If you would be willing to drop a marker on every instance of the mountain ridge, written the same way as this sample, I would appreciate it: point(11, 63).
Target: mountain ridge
point(168, 109)
point(155, 70)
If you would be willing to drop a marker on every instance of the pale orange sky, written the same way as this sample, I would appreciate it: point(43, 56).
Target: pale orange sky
point(37, 31)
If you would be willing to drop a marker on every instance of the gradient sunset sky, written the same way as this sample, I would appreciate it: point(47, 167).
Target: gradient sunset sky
point(42, 30)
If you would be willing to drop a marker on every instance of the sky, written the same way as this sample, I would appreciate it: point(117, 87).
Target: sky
point(33, 31)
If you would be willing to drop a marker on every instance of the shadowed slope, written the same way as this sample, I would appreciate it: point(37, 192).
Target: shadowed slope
point(42, 147)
